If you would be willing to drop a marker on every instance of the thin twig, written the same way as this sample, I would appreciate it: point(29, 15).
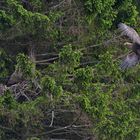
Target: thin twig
point(48, 60)
point(52, 119)
point(103, 43)
point(44, 54)
point(56, 130)
point(9, 129)
point(54, 7)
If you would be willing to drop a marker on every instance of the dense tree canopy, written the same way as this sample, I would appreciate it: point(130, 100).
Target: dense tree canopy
point(68, 54)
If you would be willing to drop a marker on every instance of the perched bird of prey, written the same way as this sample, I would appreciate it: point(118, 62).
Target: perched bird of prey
point(133, 57)
point(15, 78)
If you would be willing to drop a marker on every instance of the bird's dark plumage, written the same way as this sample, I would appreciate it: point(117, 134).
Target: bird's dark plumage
point(15, 78)
point(132, 58)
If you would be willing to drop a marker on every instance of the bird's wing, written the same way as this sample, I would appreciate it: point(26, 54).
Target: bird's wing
point(131, 60)
point(130, 32)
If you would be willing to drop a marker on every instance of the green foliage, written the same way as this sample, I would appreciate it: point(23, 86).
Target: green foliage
point(17, 117)
point(4, 64)
point(85, 72)
point(6, 21)
point(7, 101)
point(49, 86)
point(107, 68)
point(70, 58)
point(107, 103)
point(30, 22)
point(25, 66)
point(127, 12)
point(83, 78)
point(101, 10)
point(26, 22)
point(106, 12)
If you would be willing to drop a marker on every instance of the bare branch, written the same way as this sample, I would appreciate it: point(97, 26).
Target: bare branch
point(52, 119)
point(48, 60)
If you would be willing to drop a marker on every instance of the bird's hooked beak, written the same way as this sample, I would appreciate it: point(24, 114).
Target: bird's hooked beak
point(128, 44)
